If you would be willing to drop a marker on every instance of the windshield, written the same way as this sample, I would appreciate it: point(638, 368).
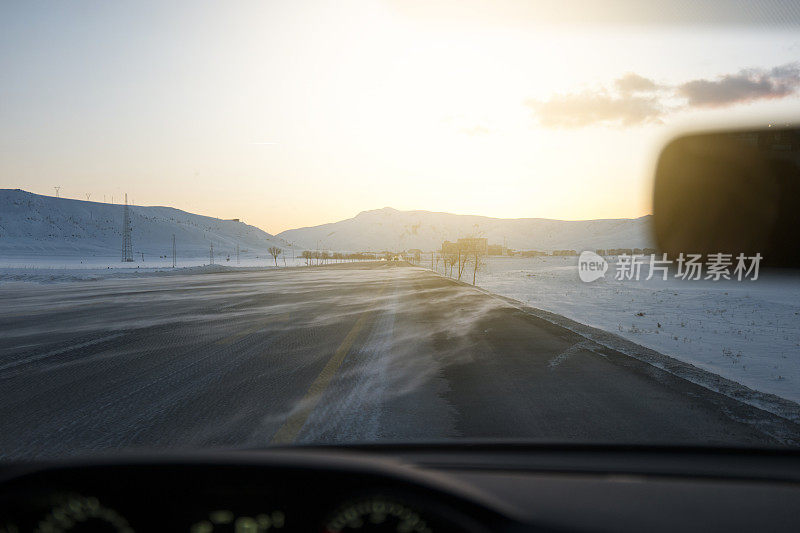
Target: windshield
point(251, 224)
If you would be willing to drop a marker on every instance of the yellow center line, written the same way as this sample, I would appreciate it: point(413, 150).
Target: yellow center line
point(287, 433)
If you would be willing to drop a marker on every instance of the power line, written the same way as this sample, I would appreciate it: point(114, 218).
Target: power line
point(127, 244)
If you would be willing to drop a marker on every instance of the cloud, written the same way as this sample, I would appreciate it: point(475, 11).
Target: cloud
point(637, 100)
point(632, 83)
point(587, 108)
point(745, 86)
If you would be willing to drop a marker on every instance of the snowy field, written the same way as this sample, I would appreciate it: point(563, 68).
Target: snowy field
point(746, 331)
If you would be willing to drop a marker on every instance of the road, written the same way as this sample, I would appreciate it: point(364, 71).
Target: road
point(343, 353)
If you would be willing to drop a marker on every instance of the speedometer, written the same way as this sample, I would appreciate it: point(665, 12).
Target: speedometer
point(79, 513)
point(377, 514)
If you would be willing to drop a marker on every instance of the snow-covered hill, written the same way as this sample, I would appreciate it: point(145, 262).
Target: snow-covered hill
point(390, 229)
point(33, 225)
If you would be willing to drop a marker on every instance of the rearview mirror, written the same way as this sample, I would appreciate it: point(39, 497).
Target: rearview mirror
point(730, 192)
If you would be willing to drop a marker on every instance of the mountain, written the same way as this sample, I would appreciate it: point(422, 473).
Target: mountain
point(36, 225)
point(390, 229)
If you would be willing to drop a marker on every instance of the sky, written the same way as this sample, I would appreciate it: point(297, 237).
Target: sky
point(290, 114)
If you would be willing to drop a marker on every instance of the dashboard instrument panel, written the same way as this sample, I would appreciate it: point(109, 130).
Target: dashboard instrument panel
point(280, 496)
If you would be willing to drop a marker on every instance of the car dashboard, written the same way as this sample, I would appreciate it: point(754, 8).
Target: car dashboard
point(422, 489)
point(252, 492)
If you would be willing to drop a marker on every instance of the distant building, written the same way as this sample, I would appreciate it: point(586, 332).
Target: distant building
point(628, 251)
point(449, 248)
point(531, 253)
point(474, 244)
point(496, 249)
point(466, 245)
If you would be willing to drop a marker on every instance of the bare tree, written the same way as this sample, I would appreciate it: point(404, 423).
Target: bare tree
point(477, 260)
point(307, 255)
point(450, 260)
point(462, 261)
point(275, 252)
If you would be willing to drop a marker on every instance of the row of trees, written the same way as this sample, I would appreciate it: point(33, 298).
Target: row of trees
point(316, 257)
point(458, 260)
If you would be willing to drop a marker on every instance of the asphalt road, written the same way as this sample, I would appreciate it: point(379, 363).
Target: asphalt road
point(343, 353)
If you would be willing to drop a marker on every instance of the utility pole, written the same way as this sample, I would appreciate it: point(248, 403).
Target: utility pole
point(211, 253)
point(173, 251)
point(127, 245)
point(237, 254)
point(58, 189)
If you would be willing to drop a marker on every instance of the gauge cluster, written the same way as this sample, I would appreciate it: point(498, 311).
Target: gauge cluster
point(429, 488)
point(206, 498)
point(377, 514)
point(63, 512)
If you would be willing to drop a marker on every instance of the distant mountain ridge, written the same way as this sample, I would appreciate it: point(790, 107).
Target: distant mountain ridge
point(390, 229)
point(33, 224)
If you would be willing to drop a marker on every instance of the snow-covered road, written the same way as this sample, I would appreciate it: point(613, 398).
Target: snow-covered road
point(345, 353)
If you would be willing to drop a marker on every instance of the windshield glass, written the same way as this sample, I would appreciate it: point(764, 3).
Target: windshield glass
point(259, 223)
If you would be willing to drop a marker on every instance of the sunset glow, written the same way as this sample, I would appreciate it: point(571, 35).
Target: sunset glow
point(294, 114)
